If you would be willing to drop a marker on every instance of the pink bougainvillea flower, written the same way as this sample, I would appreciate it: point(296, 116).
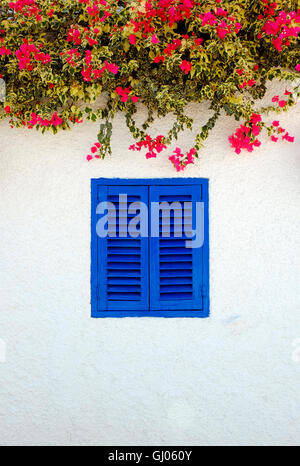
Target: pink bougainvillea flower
point(186, 66)
point(132, 39)
point(277, 44)
point(28, 53)
point(44, 122)
point(237, 27)
point(7, 109)
point(275, 98)
point(274, 138)
point(154, 39)
point(282, 103)
point(95, 148)
point(297, 67)
point(125, 94)
point(158, 59)
point(5, 51)
point(74, 36)
point(56, 120)
point(89, 158)
point(92, 41)
point(180, 161)
point(154, 146)
point(288, 138)
point(275, 123)
point(255, 130)
point(26, 7)
point(245, 135)
point(114, 69)
point(255, 118)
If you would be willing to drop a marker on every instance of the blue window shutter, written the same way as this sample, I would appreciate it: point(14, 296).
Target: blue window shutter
point(179, 275)
point(149, 276)
point(123, 262)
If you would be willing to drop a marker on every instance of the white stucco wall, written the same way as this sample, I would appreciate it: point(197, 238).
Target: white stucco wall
point(69, 379)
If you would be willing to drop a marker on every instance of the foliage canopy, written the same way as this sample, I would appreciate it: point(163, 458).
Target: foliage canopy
point(58, 56)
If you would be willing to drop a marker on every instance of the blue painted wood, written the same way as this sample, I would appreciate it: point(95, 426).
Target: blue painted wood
point(123, 280)
point(101, 272)
point(170, 274)
point(94, 249)
point(179, 314)
point(206, 284)
point(185, 292)
point(148, 181)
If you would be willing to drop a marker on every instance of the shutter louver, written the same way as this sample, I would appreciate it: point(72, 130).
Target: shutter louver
point(123, 276)
point(176, 271)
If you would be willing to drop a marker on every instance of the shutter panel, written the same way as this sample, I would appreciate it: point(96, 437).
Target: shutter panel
point(177, 272)
point(123, 271)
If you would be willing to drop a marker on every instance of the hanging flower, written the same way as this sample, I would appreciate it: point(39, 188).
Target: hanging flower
point(186, 66)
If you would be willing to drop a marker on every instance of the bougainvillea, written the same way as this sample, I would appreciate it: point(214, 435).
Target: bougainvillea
point(57, 57)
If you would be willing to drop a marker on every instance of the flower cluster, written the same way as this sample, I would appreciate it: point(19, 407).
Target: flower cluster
point(98, 10)
point(29, 52)
point(74, 36)
point(282, 28)
point(78, 35)
point(281, 102)
point(28, 8)
point(55, 121)
point(186, 66)
point(154, 146)
point(125, 94)
point(223, 22)
point(72, 57)
point(5, 51)
point(57, 57)
point(180, 160)
point(171, 11)
point(96, 73)
point(277, 129)
point(94, 152)
point(245, 136)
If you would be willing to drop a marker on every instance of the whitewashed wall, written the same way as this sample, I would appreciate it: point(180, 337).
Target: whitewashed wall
point(69, 379)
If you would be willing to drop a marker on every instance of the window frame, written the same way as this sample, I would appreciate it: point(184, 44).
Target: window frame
point(203, 183)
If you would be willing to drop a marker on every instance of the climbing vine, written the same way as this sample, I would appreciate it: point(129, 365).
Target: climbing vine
point(57, 57)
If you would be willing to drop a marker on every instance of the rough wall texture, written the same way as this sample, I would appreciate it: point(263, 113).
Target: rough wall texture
point(69, 379)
